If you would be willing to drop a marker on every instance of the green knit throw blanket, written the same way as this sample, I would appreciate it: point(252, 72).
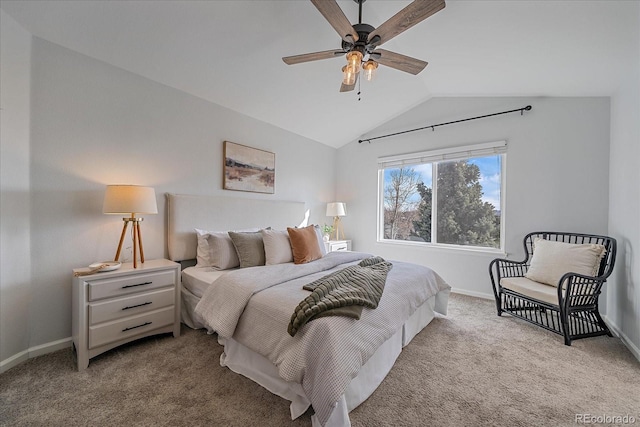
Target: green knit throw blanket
point(342, 293)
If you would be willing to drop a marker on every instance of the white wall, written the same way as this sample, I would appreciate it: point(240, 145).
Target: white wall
point(15, 264)
point(623, 294)
point(93, 124)
point(557, 172)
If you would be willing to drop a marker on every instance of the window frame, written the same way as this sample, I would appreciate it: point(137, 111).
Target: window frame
point(441, 155)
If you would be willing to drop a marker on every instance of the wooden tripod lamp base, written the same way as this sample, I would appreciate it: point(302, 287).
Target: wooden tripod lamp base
point(337, 227)
point(130, 200)
point(137, 239)
point(337, 210)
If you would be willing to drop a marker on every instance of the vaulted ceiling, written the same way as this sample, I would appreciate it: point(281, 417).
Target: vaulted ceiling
point(229, 53)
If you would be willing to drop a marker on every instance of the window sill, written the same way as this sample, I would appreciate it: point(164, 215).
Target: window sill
point(446, 247)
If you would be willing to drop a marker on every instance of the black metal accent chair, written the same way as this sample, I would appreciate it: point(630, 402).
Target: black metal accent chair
point(573, 312)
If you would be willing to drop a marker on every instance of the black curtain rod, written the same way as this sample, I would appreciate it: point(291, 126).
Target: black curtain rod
point(432, 127)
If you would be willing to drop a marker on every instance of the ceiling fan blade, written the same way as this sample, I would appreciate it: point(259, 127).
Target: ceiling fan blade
point(315, 56)
point(398, 61)
point(336, 17)
point(348, 88)
point(416, 12)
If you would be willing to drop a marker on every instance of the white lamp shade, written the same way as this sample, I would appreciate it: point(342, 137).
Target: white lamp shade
point(129, 199)
point(336, 209)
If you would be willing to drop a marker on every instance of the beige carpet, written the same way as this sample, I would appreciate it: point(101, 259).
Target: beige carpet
point(470, 368)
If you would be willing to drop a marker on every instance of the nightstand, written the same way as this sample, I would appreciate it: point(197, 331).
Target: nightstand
point(115, 307)
point(337, 245)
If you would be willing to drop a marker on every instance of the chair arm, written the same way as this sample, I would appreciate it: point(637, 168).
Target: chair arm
point(508, 268)
point(578, 289)
point(501, 267)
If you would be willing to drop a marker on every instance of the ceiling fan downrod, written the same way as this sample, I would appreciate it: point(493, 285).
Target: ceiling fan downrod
point(359, 10)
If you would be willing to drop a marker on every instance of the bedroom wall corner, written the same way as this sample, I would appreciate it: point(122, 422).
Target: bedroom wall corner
point(15, 261)
point(623, 288)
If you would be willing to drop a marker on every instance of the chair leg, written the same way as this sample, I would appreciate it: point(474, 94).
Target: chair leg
point(564, 322)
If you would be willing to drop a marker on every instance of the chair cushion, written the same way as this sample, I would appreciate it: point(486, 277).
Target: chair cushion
point(531, 289)
point(551, 260)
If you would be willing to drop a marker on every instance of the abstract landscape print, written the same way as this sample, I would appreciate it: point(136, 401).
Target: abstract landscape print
point(248, 169)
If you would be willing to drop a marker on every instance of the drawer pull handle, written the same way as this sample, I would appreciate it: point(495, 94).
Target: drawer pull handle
point(139, 284)
point(137, 305)
point(341, 249)
point(134, 327)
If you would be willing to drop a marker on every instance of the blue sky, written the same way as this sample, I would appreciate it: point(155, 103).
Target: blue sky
point(489, 177)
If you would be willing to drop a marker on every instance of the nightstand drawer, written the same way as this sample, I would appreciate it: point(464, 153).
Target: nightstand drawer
point(114, 331)
point(107, 288)
point(338, 246)
point(128, 306)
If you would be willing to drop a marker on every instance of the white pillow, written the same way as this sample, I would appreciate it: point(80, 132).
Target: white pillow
point(277, 246)
point(202, 252)
point(551, 260)
point(215, 249)
point(323, 248)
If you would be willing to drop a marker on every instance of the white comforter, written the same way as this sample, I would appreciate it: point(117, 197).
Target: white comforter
point(254, 306)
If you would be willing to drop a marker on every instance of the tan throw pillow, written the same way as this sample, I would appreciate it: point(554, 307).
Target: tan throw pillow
point(277, 247)
point(249, 247)
point(551, 260)
point(304, 244)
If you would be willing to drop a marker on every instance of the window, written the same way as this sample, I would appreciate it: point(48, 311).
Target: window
point(452, 196)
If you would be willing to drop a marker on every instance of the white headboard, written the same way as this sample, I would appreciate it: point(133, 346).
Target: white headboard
point(219, 213)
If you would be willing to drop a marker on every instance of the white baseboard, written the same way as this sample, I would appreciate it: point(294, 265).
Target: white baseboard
point(35, 351)
point(472, 293)
point(623, 337)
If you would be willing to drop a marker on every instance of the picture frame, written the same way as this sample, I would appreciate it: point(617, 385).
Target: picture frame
point(248, 169)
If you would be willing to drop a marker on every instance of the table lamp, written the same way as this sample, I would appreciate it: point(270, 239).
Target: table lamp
point(337, 210)
point(130, 200)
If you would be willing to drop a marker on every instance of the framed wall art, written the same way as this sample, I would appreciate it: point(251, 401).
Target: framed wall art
point(248, 169)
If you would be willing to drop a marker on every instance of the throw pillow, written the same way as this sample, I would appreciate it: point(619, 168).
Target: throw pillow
point(277, 247)
point(222, 252)
point(304, 244)
point(249, 247)
point(551, 260)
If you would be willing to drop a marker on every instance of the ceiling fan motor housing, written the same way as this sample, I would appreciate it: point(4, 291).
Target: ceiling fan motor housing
point(363, 45)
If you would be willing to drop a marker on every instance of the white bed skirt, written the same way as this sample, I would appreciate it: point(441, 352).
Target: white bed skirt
point(256, 367)
point(189, 302)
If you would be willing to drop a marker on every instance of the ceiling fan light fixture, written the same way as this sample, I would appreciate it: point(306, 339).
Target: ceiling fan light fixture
point(369, 68)
point(354, 58)
point(348, 75)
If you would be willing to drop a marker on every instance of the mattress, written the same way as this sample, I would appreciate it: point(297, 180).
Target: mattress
point(197, 279)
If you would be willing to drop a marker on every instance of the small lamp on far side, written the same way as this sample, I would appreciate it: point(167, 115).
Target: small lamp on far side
point(130, 200)
point(337, 210)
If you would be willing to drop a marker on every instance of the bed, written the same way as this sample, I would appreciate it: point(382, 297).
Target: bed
point(332, 363)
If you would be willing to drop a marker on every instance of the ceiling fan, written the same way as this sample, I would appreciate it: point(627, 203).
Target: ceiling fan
point(362, 40)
